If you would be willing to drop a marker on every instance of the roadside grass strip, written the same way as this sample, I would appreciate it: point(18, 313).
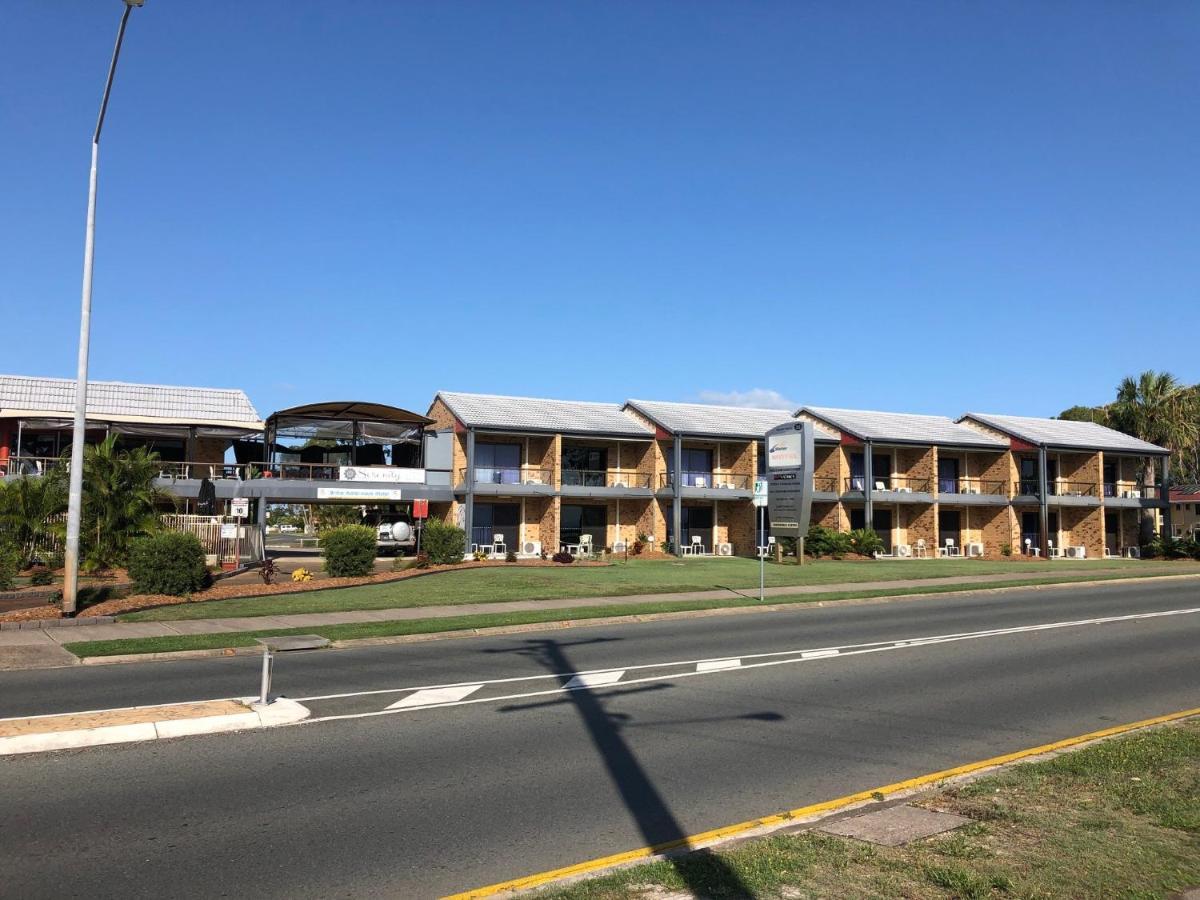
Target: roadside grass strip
point(550, 617)
point(1117, 818)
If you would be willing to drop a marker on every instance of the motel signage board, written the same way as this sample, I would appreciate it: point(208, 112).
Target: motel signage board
point(384, 474)
point(789, 478)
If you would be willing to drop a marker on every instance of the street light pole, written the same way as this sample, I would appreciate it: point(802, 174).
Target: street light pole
point(75, 496)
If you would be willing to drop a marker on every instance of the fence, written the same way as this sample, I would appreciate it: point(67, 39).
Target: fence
point(219, 536)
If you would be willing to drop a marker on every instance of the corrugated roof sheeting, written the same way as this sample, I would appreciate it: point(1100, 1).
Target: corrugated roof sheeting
point(718, 421)
point(533, 414)
point(120, 399)
point(902, 427)
point(1066, 433)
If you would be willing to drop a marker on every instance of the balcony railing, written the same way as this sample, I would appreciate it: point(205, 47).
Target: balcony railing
point(826, 484)
point(1027, 487)
point(707, 480)
point(1074, 489)
point(900, 484)
point(1129, 490)
point(510, 475)
point(614, 478)
point(31, 465)
point(986, 486)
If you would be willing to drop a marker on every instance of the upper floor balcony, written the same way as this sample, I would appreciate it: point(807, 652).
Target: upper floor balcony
point(708, 484)
point(512, 480)
point(605, 483)
point(968, 491)
point(890, 488)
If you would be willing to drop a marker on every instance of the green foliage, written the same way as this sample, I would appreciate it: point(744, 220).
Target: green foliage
point(337, 515)
point(865, 542)
point(28, 507)
point(1097, 414)
point(10, 564)
point(510, 556)
point(821, 541)
point(169, 562)
point(349, 551)
point(563, 557)
point(119, 502)
point(1006, 549)
point(41, 576)
point(443, 544)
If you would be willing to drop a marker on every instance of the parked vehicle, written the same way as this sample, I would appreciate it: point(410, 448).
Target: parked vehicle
point(394, 531)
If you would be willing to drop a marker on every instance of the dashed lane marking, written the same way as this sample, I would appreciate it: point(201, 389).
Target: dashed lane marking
point(593, 679)
point(717, 665)
point(819, 654)
point(433, 696)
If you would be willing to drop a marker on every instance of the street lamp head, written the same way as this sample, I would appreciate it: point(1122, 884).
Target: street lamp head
point(134, 2)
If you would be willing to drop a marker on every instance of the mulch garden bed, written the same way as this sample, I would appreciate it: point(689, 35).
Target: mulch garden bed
point(286, 586)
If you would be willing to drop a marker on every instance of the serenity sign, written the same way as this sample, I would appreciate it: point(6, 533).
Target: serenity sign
point(789, 478)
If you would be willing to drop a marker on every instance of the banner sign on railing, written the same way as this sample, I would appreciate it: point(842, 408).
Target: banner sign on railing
point(381, 474)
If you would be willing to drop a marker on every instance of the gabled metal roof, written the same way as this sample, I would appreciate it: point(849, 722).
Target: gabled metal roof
point(501, 413)
point(705, 420)
point(906, 428)
point(1066, 433)
point(27, 396)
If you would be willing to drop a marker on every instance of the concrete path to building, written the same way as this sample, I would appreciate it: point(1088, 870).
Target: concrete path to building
point(20, 649)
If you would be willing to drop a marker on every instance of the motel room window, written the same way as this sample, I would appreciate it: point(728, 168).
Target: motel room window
point(498, 463)
point(579, 520)
point(697, 467)
point(584, 466)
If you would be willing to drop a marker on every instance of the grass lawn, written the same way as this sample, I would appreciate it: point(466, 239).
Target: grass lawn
point(1117, 819)
point(636, 577)
point(359, 630)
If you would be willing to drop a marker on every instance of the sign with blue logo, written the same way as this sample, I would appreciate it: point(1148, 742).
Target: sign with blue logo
point(789, 478)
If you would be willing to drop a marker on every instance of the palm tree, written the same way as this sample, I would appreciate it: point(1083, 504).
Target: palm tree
point(119, 501)
point(1156, 408)
point(28, 509)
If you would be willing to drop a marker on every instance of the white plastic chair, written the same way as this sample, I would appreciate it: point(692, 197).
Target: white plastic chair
point(920, 551)
point(498, 545)
point(698, 546)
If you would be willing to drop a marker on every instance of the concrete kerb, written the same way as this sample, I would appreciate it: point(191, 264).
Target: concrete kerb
point(280, 712)
point(560, 624)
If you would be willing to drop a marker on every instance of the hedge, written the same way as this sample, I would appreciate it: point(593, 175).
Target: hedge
point(169, 562)
point(349, 551)
point(443, 544)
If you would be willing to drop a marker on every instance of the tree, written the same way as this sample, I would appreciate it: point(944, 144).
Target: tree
point(335, 515)
point(1097, 414)
point(120, 501)
point(28, 507)
point(1156, 408)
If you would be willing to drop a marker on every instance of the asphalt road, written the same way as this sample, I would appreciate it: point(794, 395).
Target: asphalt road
point(522, 775)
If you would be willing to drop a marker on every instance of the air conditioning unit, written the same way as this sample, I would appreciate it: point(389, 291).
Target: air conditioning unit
point(1075, 552)
point(724, 549)
point(532, 548)
point(619, 547)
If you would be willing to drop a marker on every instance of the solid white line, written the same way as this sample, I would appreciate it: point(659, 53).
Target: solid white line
point(718, 665)
point(818, 654)
point(594, 679)
point(795, 657)
point(433, 696)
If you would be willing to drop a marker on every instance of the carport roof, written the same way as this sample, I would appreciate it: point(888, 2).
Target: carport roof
point(1066, 433)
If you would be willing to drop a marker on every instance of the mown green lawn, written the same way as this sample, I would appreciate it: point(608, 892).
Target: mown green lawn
point(1117, 819)
point(495, 585)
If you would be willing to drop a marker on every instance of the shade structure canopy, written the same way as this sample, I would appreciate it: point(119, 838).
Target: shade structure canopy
point(354, 421)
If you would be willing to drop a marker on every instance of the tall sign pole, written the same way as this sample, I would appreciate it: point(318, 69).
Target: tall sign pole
point(790, 481)
point(760, 501)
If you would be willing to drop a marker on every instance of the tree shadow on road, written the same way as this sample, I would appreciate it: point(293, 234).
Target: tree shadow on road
point(704, 873)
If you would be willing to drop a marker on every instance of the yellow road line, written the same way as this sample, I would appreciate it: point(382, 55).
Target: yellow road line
point(728, 831)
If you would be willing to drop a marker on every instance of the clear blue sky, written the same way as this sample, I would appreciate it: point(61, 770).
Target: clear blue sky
point(915, 206)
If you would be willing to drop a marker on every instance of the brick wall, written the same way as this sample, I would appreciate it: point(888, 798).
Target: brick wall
point(736, 520)
point(917, 521)
point(829, 462)
point(997, 527)
point(1082, 525)
point(209, 450)
point(918, 463)
point(827, 515)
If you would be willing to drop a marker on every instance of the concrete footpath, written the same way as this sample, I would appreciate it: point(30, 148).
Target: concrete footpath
point(38, 648)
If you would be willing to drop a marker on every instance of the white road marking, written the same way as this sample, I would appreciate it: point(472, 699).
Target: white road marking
point(593, 679)
point(779, 657)
point(432, 696)
point(717, 665)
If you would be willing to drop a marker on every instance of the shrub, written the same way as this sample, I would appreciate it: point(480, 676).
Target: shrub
point(822, 541)
point(169, 562)
point(480, 555)
point(865, 542)
point(421, 561)
point(443, 544)
point(1006, 550)
point(510, 556)
point(301, 575)
point(349, 551)
point(562, 556)
point(268, 570)
point(10, 563)
point(41, 576)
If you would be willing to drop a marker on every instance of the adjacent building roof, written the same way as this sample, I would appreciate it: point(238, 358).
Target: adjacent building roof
point(553, 416)
point(1066, 433)
point(704, 420)
point(904, 428)
point(1185, 493)
point(27, 396)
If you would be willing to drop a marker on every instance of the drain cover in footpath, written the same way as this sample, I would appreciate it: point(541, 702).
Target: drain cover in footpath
point(895, 825)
